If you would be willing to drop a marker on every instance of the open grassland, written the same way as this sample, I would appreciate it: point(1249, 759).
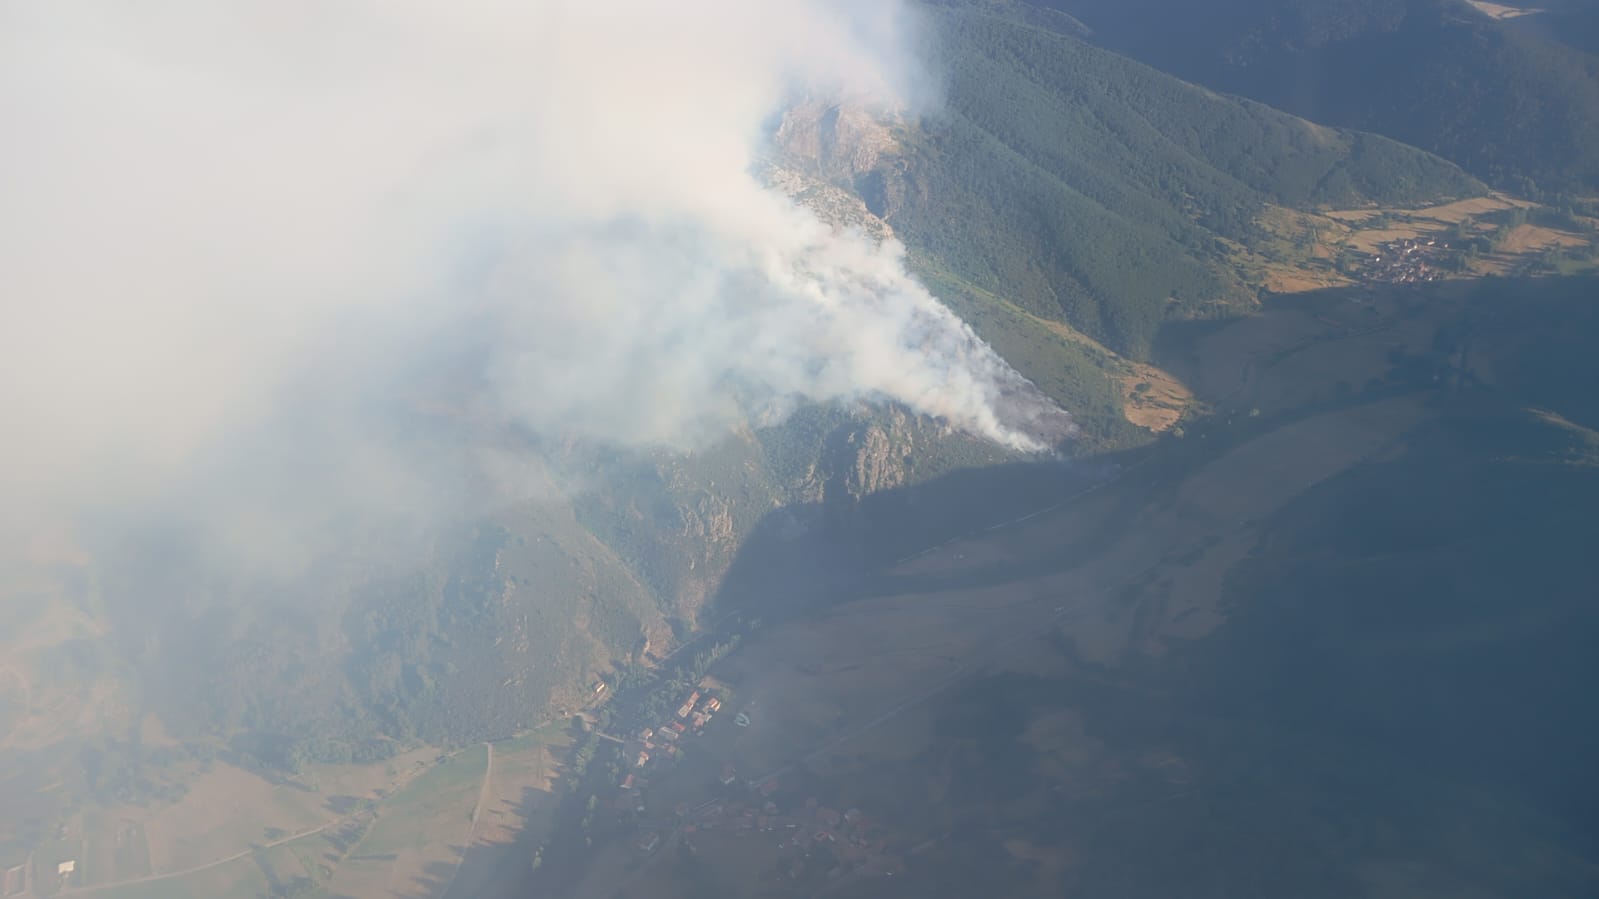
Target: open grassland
point(436, 793)
point(420, 832)
point(237, 879)
point(222, 815)
point(519, 803)
point(228, 809)
point(1152, 399)
point(289, 866)
point(1444, 213)
point(397, 828)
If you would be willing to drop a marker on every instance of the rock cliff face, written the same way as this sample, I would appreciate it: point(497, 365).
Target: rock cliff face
point(708, 522)
point(681, 520)
point(838, 160)
point(832, 204)
point(836, 141)
point(878, 464)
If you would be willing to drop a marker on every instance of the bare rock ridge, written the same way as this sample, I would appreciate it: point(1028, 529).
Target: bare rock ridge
point(823, 154)
point(836, 139)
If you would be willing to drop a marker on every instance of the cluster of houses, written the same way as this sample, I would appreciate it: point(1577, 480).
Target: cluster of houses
point(659, 742)
point(1407, 261)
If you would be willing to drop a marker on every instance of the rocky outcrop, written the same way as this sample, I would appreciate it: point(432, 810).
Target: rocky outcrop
point(836, 142)
point(832, 204)
point(878, 463)
point(842, 162)
point(707, 526)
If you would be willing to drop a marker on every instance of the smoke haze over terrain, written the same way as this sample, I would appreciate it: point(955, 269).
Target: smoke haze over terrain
point(242, 243)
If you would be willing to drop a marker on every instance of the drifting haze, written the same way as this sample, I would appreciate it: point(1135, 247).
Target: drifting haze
point(240, 240)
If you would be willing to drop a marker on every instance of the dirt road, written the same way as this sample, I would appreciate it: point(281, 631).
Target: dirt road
point(477, 813)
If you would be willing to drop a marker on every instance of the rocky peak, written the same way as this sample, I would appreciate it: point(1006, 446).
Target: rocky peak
point(825, 157)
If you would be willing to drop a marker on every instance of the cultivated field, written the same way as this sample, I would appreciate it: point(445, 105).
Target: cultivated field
point(516, 814)
point(1301, 251)
point(420, 832)
point(400, 828)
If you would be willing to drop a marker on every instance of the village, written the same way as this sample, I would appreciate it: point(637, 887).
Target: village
point(1407, 261)
point(657, 746)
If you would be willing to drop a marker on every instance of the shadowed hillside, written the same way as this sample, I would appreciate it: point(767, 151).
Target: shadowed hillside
point(1330, 642)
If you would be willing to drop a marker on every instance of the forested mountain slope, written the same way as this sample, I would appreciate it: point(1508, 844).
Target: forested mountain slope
point(1096, 191)
point(484, 628)
point(1507, 99)
point(1574, 23)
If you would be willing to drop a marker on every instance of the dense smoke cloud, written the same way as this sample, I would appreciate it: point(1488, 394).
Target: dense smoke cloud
point(239, 238)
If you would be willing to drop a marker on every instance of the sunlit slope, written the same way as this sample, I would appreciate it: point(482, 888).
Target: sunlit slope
point(1094, 190)
point(1513, 100)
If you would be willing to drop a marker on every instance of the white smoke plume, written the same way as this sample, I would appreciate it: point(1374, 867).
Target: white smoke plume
point(235, 235)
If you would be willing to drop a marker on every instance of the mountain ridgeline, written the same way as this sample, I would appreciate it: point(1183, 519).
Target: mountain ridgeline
point(1092, 190)
point(1514, 101)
